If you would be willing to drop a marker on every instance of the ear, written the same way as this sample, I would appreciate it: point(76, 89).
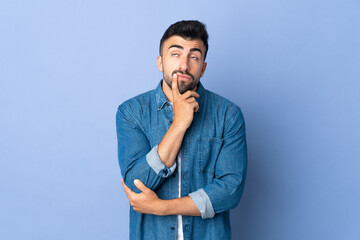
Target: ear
point(203, 69)
point(159, 63)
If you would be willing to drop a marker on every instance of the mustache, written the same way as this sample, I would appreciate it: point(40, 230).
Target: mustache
point(183, 73)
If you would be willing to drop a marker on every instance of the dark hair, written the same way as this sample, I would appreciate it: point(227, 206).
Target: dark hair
point(189, 30)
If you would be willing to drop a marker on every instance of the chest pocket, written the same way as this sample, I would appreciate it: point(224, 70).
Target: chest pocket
point(209, 150)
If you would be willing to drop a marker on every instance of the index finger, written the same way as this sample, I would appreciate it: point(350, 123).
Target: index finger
point(140, 185)
point(174, 86)
point(189, 94)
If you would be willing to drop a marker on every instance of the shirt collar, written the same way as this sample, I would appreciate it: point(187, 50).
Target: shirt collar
point(161, 99)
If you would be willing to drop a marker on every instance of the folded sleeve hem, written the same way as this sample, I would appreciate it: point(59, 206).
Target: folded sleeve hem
point(203, 203)
point(154, 161)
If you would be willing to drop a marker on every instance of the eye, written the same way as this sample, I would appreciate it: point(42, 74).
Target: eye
point(174, 54)
point(194, 58)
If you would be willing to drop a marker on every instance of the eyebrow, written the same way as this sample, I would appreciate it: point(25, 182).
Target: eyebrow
point(181, 47)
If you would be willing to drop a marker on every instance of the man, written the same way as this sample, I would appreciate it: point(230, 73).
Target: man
point(181, 148)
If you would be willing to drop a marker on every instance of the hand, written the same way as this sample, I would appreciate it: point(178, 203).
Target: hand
point(184, 105)
point(145, 202)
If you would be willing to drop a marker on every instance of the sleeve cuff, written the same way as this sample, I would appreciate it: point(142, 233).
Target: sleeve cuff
point(203, 203)
point(157, 165)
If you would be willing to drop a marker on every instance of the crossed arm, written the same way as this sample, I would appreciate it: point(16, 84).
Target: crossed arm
point(148, 202)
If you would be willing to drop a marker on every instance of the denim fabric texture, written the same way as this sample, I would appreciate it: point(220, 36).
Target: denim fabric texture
point(213, 167)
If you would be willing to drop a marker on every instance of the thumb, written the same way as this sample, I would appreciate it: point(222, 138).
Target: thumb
point(174, 86)
point(140, 185)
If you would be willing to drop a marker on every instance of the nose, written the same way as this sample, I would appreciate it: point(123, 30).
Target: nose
point(184, 64)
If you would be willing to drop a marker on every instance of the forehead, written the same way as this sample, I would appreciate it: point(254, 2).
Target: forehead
point(186, 44)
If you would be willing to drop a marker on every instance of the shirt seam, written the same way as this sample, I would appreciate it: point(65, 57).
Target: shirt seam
point(134, 122)
point(231, 118)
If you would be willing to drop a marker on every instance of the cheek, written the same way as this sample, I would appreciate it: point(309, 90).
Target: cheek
point(198, 71)
point(169, 67)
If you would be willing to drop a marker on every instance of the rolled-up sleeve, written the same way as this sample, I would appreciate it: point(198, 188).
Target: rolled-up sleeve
point(137, 159)
point(225, 190)
point(203, 203)
point(154, 161)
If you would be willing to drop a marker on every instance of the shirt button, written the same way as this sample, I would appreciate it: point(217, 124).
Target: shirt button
point(172, 228)
point(170, 122)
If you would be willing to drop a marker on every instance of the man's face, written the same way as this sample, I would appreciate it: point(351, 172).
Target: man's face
point(185, 58)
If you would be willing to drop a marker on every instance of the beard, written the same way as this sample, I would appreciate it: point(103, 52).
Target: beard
point(182, 86)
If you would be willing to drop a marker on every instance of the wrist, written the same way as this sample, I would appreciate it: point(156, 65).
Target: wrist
point(164, 208)
point(181, 127)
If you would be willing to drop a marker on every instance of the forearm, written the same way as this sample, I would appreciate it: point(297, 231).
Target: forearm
point(184, 106)
point(170, 144)
point(148, 202)
point(181, 206)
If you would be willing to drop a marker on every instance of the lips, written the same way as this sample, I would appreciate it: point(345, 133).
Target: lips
point(183, 77)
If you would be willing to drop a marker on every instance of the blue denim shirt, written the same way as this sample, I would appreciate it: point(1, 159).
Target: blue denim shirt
point(213, 162)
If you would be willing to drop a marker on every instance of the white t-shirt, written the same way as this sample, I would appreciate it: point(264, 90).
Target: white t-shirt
point(180, 235)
